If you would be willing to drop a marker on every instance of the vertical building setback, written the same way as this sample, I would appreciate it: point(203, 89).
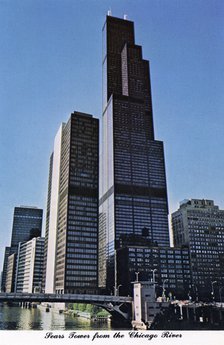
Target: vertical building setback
point(133, 196)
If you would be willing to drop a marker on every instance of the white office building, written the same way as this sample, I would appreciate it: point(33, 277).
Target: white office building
point(29, 268)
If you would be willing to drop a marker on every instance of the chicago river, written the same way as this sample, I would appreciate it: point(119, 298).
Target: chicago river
point(17, 318)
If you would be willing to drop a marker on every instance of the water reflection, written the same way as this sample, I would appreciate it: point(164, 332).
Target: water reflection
point(16, 318)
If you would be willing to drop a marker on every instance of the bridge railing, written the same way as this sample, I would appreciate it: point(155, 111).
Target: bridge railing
point(72, 298)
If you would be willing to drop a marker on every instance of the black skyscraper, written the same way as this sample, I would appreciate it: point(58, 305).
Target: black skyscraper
point(27, 223)
point(133, 198)
point(71, 242)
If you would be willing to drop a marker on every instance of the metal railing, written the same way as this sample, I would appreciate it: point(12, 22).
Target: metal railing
point(66, 298)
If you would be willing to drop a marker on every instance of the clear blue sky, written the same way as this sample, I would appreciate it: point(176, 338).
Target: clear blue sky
point(50, 65)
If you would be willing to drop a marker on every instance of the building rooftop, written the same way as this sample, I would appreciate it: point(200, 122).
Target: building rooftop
point(197, 203)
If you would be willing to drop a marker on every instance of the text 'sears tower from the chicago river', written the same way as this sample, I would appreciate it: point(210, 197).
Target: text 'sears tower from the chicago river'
point(133, 195)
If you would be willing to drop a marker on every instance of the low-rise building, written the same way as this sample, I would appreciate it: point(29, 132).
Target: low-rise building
point(168, 266)
point(10, 273)
point(8, 252)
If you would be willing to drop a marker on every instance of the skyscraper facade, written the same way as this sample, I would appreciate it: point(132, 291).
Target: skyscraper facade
point(46, 249)
point(71, 244)
point(133, 195)
point(199, 224)
point(4, 269)
point(27, 224)
point(29, 266)
point(171, 269)
point(10, 274)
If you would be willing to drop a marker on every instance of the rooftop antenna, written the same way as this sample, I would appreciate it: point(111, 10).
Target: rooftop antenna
point(109, 12)
point(125, 16)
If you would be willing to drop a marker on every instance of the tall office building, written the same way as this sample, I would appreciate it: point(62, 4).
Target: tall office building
point(200, 225)
point(47, 225)
point(27, 224)
point(4, 269)
point(29, 266)
point(10, 274)
point(71, 243)
point(133, 195)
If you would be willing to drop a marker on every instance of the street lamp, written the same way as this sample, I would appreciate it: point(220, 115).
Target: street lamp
point(153, 274)
point(115, 291)
point(137, 273)
point(213, 296)
point(195, 289)
point(196, 293)
point(163, 294)
point(118, 289)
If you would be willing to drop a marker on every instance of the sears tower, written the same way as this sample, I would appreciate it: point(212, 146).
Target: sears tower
point(133, 196)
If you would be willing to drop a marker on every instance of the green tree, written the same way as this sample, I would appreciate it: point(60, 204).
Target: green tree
point(89, 308)
point(102, 312)
point(82, 307)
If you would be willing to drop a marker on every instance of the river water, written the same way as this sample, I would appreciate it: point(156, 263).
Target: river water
point(17, 318)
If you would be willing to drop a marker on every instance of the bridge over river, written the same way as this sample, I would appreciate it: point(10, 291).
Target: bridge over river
point(140, 310)
point(120, 307)
point(63, 298)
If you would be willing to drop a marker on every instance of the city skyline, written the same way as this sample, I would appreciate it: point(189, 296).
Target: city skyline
point(23, 185)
